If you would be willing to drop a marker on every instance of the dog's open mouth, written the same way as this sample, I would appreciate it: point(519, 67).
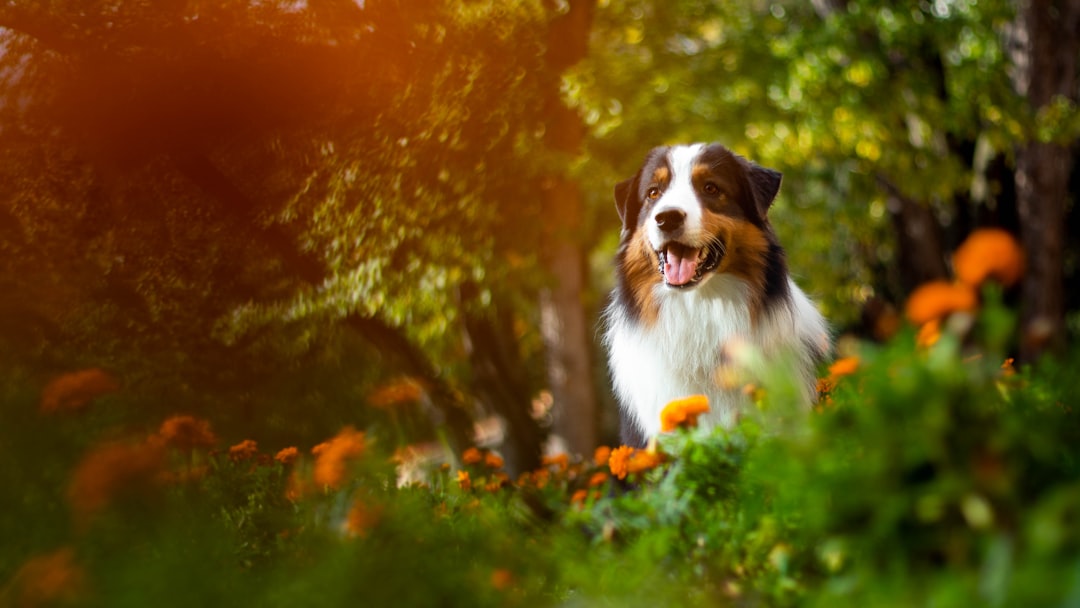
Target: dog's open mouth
point(684, 266)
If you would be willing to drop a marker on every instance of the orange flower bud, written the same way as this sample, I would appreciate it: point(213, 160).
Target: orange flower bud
point(937, 299)
point(989, 253)
point(332, 457)
point(683, 412)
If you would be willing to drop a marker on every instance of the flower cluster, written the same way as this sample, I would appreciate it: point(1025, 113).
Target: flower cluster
point(987, 254)
point(626, 460)
point(333, 457)
point(187, 433)
point(397, 392)
point(245, 450)
point(845, 366)
point(113, 470)
point(52, 579)
point(683, 412)
point(74, 391)
point(580, 480)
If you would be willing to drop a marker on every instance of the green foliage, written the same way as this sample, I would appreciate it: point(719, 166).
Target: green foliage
point(399, 148)
point(930, 476)
point(857, 105)
point(234, 180)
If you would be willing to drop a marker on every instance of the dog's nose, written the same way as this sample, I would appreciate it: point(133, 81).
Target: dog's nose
point(670, 220)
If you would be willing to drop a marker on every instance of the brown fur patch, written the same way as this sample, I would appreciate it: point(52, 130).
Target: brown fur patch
point(701, 172)
point(642, 276)
point(661, 175)
point(747, 248)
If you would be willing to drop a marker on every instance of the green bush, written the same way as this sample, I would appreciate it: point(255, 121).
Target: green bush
point(929, 476)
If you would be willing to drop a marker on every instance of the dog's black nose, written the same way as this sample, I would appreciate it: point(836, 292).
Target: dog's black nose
point(670, 220)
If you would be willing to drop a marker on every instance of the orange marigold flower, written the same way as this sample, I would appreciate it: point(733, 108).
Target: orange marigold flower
point(824, 386)
point(598, 478)
point(643, 460)
point(579, 497)
point(620, 458)
point(48, 580)
point(493, 460)
point(929, 334)
point(560, 460)
point(332, 457)
point(989, 253)
point(843, 367)
point(75, 390)
point(683, 412)
point(538, 478)
point(1007, 368)
point(287, 456)
point(464, 481)
point(502, 579)
point(472, 456)
point(244, 450)
point(187, 433)
point(294, 487)
point(937, 299)
point(111, 471)
point(396, 392)
point(601, 455)
point(362, 518)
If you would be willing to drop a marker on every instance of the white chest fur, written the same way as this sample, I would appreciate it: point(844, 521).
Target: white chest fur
point(682, 353)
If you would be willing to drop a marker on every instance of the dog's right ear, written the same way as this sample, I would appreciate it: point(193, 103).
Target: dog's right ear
point(627, 203)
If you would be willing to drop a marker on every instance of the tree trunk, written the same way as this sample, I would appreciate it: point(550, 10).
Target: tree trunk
point(564, 325)
point(500, 379)
point(566, 336)
point(1045, 43)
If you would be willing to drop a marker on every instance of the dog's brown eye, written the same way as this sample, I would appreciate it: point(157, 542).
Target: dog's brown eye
point(653, 193)
point(711, 189)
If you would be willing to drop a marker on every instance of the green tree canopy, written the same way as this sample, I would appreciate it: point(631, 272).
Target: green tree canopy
point(895, 126)
point(204, 189)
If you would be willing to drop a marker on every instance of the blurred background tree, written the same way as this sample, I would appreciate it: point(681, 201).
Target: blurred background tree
point(267, 213)
point(250, 200)
point(898, 129)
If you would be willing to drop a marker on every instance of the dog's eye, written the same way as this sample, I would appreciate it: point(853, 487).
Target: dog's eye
point(711, 189)
point(653, 193)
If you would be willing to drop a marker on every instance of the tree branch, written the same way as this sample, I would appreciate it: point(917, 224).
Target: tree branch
point(390, 339)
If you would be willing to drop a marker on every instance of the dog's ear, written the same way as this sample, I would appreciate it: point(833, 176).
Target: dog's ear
point(627, 203)
point(764, 185)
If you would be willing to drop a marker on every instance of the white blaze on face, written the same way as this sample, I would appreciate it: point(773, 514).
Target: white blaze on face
point(681, 259)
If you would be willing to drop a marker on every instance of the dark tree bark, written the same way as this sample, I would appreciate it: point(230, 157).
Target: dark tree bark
point(1045, 43)
point(500, 380)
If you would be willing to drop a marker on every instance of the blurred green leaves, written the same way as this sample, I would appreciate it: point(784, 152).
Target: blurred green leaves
point(926, 475)
point(840, 100)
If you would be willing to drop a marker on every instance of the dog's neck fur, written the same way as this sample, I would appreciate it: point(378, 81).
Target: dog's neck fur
point(684, 351)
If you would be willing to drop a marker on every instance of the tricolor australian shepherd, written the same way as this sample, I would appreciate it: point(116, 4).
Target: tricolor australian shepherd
point(699, 270)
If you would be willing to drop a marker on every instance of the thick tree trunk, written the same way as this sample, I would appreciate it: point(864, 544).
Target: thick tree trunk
point(565, 329)
point(566, 336)
point(1045, 44)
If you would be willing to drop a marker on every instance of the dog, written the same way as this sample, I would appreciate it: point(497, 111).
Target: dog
point(701, 280)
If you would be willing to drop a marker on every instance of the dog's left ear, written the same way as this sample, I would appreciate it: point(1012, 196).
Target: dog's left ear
point(764, 184)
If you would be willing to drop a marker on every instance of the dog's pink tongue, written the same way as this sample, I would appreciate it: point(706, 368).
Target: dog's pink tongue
point(680, 264)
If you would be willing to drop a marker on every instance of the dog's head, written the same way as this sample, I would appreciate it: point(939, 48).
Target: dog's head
point(695, 210)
